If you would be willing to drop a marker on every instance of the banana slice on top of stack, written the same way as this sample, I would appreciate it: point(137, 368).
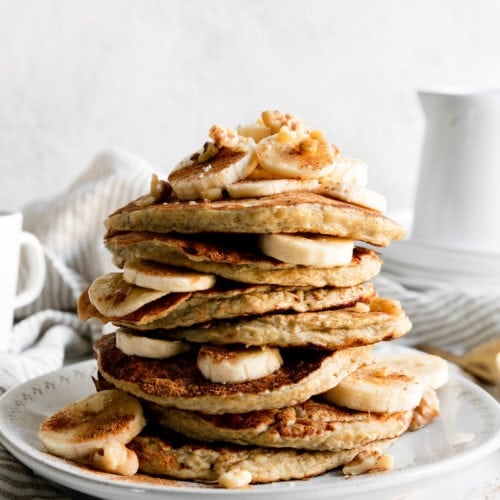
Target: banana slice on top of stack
point(245, 317)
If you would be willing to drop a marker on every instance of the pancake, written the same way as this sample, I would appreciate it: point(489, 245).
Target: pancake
point(330, 329)
point(297, 212)
point(174, 458)
point(312, 425)
point(230, 301)
point(237, 259)
point(177, 382)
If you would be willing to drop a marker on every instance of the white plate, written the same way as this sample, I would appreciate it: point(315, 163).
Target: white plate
point(468, 429)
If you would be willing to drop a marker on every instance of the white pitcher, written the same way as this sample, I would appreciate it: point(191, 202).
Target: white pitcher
point(457, 203)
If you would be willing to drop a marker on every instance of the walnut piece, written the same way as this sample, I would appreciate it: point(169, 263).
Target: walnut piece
point(426, 411)
point(389, 306)
point(368, 461)
point(224, 137)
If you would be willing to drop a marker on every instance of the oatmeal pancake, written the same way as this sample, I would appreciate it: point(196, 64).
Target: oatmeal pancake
point(312, 425)
point(329, 329)
point(234, 466)
point(177, 382)
point(295, 212)
point(228, 300)
point(235, 257)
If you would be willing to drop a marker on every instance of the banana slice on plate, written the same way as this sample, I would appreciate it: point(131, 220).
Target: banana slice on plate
point(307, 250)
point(206, 173)
point(231, 366)
point(96, 429)
point(298, 157)
point(430, 370)
point(377, 387)
point(113, 297)
point(115, 458)
point(147, 347)
point(165, 278)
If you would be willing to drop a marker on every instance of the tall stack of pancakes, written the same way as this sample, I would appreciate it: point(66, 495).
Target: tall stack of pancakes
point(316, 321)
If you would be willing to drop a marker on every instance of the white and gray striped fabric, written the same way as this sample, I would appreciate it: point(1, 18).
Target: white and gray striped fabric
point(70, 227)
point(448, 317)
point(48, 333)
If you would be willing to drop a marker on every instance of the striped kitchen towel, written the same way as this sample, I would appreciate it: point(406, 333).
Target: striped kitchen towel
point(70, 227)
point(449, 317)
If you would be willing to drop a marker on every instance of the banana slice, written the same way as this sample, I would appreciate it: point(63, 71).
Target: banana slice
point(307, 250)
point(257, 188)
point(288, 159)
point(377, 387)
point(115, 458)
point(101, 420)
point(209, 172)
point(259, 174)
point(352, 193)
point(430, 370)
point(165, 278)
point(371, 199)
point(347, 170)
point(136, 345)
point(256, 131)
point(232, 366)
point(113, 297)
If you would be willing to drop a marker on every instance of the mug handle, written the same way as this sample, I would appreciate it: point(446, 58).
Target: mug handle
point(36, 270)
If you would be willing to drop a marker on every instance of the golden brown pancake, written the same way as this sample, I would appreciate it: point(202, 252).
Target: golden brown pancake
point(177, 382)
point(230, 301)
point(330, 329)
point(312, 425)
point(171, 457)
point(297, 212)
point(237, 259)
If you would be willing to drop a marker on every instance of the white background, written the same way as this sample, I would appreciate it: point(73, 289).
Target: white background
point(151, 76)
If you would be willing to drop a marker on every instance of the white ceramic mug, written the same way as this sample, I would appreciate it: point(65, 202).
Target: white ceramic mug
point(13, 239)
point(457, 204)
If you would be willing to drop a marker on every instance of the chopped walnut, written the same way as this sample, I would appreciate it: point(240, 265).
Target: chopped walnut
point(319, 136)
point(235, 479)
point(224, 137)
point(308, 146)
point(389, 306)
point(285, 135)
point(275, 120)
point(290, 130)
point(160, 190)
point(426, 411)
point(361, 307)
point(368, 461)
